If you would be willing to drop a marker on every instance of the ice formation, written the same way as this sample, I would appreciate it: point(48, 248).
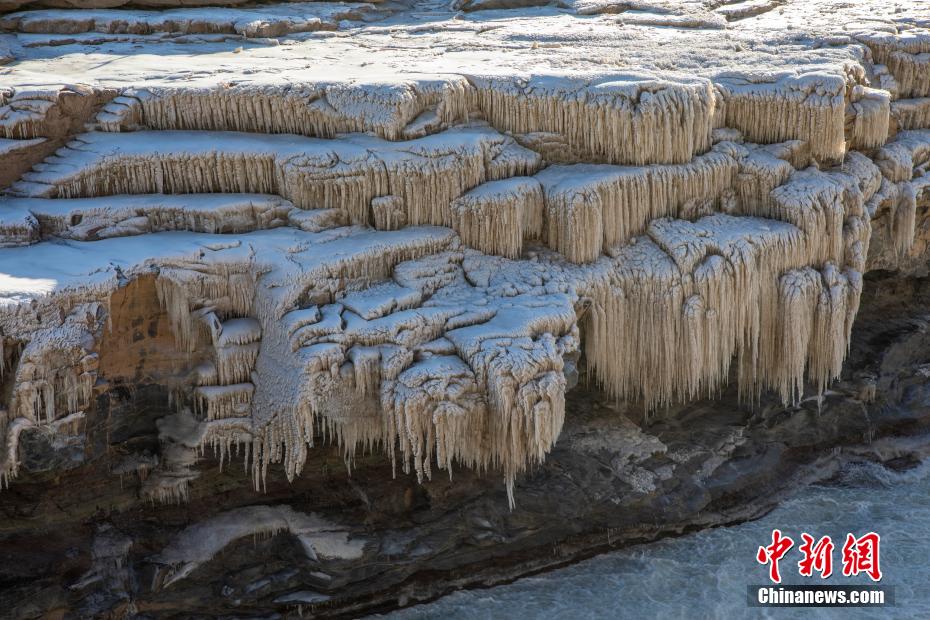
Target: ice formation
point(415, 256)
point(200, 542)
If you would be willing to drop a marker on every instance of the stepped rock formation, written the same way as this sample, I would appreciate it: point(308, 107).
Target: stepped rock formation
point(412, 237)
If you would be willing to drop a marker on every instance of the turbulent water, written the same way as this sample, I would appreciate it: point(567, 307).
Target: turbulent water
point(705, 575)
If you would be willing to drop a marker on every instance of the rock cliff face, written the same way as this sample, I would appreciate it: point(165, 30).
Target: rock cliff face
point(618, 270)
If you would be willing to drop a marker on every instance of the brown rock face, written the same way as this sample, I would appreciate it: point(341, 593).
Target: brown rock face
point(138, 346)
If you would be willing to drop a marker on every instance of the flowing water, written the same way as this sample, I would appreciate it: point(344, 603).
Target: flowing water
point(704, 575)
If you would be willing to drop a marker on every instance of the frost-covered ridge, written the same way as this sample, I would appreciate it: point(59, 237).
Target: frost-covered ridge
point(414, 234)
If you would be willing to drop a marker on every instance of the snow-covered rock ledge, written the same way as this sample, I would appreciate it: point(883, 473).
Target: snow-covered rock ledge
point(346, 246)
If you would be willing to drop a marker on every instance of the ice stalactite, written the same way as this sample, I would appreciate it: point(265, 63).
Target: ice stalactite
point(593, 206)
point(760, 170)
point(309, 376)
point(224, 401)
point(643, 107)
point(809, 107)
point(911, 113)
point(829, 208)
point(893, 209)
point(627, 121)
point(905, 219)
point(435, 408)
point(526, 393)
point(907, 56)
point(683, 302)
point(899, 158)
point(495, 217)
point(426, 174)
point(318, 110)
point(574, 226)
point(903, 163)
point(346, 358)
point(9, 464)
point(815, 313)
point(520, 371)
point(439, 407)
point(867, 118)
point(192, 298)
point(865, 172)
point(53, 379)
point(388, 213)
point(236, 348)
point(57, 369)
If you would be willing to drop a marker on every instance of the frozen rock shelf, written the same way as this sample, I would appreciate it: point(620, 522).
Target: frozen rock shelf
point(419, 256)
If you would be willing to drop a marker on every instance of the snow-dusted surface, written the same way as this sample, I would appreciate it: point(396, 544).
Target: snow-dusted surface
point(264, 21)
point(8, 147)
point(402, 224)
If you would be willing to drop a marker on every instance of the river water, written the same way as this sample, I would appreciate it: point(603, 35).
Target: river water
point(704, 575)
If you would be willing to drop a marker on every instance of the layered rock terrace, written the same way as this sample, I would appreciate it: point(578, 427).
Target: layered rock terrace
point(413, 235)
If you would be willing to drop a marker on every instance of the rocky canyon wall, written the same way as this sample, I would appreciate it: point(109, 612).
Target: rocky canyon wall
point(362, 280)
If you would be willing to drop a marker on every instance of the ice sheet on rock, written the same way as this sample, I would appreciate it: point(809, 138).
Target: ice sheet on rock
point(8, 146)
point(263, 21)
point(46, 268)
point(381, 299)
point(196, 545)
point(50, 267)
point(125, 215)
point(18, 226)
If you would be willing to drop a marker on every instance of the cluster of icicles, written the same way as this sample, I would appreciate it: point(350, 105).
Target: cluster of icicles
point(443, 354)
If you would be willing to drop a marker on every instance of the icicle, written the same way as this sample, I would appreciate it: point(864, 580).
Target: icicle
point(495, 217)
point(867, 117)
point(911, 113)
point(626, 199)
point(808, 107)
point(905, 55)
point(622, 122)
